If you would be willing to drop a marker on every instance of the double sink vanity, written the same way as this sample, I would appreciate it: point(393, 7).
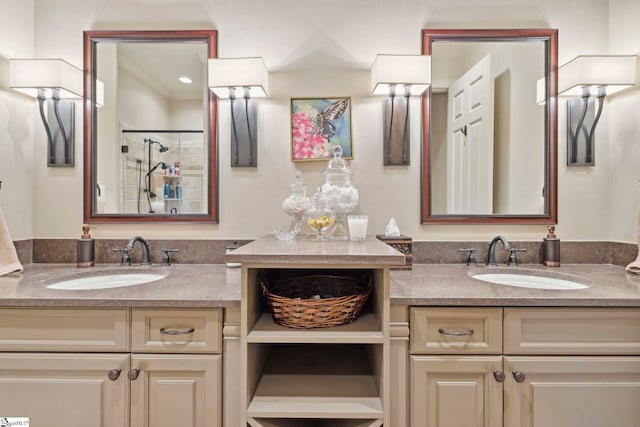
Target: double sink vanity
point(437, 345)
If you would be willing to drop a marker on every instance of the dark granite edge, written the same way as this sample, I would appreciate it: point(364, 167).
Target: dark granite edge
point(423, 252)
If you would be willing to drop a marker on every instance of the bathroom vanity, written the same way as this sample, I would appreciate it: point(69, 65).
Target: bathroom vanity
point(432, 347)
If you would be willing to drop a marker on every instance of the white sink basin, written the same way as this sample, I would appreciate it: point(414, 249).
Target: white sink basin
point(106, 281)
point(529, 281)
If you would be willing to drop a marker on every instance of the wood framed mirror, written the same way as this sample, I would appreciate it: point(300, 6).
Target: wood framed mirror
point(150, 150)
point(489, 148)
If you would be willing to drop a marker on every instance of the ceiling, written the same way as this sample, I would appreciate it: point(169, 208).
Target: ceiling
point(161, 64)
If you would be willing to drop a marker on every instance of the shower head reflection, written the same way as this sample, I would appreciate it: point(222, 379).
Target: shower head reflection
point(162, 148)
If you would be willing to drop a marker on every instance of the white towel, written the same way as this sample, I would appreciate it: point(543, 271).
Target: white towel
point(9, 262)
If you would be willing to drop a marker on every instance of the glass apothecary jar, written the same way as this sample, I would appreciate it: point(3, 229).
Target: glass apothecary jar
point(320, 217)
point(341, 195)
point(297, 204)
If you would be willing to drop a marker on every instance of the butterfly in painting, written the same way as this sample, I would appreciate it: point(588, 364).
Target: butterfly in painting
point(322, 121)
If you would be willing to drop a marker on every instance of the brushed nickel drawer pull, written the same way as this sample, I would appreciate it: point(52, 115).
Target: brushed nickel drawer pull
point(176, 331)
point(499, 376)
point(456, 333)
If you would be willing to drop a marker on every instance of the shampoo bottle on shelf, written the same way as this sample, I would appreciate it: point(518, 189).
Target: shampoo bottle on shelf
point(166, 190)
point(551, 248)
point(86, 248)
point(178, 191)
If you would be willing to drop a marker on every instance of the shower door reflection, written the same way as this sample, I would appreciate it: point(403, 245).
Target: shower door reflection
point(159, 172)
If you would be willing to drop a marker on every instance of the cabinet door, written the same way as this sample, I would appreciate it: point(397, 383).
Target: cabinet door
point(62, 390)
point(572, 391)
point(176, 390)
point(449, 391)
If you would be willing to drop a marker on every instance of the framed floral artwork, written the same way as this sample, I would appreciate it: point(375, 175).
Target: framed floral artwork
point(318, 125)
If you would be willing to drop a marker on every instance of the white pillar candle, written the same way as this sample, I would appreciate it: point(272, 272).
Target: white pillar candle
point(357, 227)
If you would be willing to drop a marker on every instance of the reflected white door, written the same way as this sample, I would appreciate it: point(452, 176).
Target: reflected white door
point(470, 142)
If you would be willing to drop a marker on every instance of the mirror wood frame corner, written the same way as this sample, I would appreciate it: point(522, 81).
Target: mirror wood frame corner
point(210, 209)
point(549, 37)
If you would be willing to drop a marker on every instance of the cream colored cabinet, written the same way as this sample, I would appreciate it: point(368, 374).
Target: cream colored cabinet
point(572, 391)
point(564, 367)
point(450, 391)
point(572, 367)
point(169, 375)
point(59, 390)
point(456, 367)
point(173, 390)
point(170, 385)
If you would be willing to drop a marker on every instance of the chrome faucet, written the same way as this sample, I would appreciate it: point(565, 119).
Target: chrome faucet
point(491, 253)
point(145, 249)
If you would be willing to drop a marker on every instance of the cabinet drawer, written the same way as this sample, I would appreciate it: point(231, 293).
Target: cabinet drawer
point(571, 331)
point(456, 330)
point(55, 329)
point(176, 331)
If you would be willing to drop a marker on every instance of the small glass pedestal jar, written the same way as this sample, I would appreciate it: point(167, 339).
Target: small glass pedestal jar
point(341, 195)
point(320, 217)
point(297, 204)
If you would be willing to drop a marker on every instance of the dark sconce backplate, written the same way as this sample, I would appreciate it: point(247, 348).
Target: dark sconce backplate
point(581, 141)
point(60, 150)
point(244, 151)
point(396, 131)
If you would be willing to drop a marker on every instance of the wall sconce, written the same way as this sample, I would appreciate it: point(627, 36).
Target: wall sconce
point(404, 76)
point(53, 79)
point(587, 80)
point(243, 78)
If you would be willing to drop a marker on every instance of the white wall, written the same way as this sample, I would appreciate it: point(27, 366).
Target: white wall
point(326, 49)
point(624, 128)
point(17, 118)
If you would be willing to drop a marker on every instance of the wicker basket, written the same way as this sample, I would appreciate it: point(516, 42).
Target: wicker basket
point(316, 301)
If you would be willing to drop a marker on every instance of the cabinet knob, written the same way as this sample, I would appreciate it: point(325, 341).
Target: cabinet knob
point(499, 376)
point(519, 376)
point(114, 374)
point(133, 374)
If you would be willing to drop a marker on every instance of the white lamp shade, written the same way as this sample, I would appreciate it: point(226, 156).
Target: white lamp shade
point(403, 70)
point(614, 72)
point(238, 73)
point(30, 75)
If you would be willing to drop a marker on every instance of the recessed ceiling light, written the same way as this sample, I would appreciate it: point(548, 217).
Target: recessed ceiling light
point(186, 80)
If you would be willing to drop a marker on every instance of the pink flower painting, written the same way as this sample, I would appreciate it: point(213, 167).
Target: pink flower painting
point(318, 125)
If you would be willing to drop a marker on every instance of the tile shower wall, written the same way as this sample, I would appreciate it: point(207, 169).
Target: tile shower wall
point(186, 148)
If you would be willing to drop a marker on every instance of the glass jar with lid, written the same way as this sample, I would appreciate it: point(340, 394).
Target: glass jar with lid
point(297, 204)
point(341, 195)
point(320, 217)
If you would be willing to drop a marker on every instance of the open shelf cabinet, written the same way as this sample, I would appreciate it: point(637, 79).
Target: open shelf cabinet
point(334, 376)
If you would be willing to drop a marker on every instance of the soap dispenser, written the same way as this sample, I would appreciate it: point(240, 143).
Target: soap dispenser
point(551, 248)
point(86, 248)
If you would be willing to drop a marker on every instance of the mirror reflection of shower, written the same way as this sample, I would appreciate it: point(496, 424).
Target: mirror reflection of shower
point(147, 189)
point(162, 171)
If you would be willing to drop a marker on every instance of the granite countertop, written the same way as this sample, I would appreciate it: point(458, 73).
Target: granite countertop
point(185, 286)
point(216, 285)
point(452, 285)
point(269, 250)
